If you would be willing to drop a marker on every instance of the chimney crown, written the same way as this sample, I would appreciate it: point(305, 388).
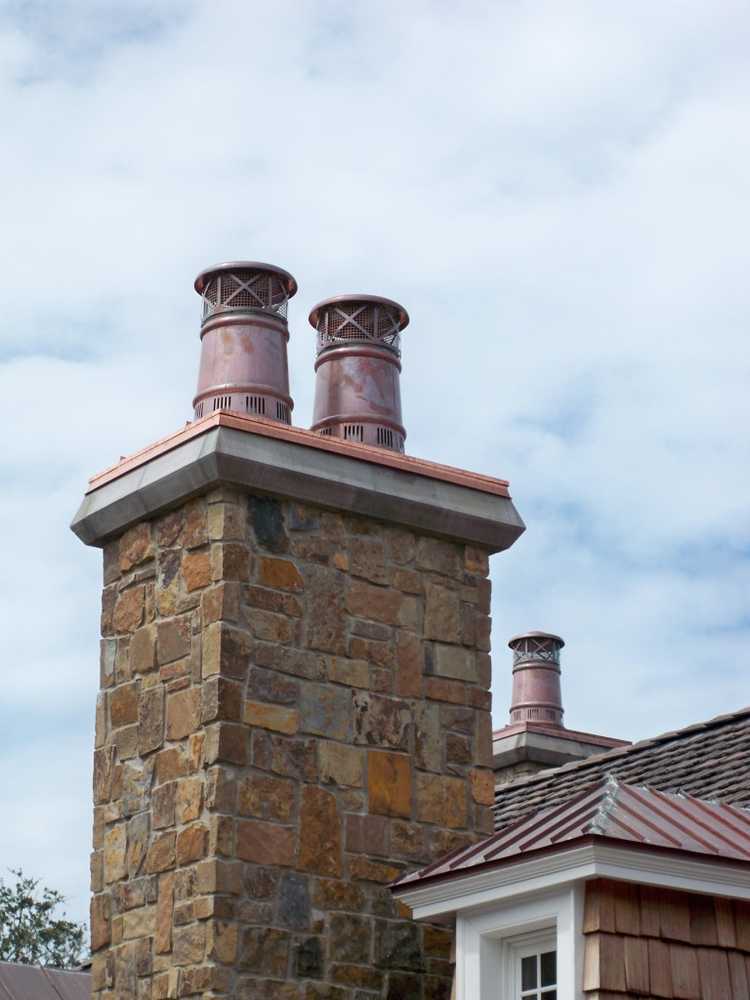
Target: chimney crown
point(244, 337)
point(536, 678)
point(357, 385)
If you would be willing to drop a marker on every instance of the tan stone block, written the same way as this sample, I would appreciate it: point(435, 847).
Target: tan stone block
point(143, 649)
point(192, 844)
point(173, 639)
point(221, 602)
point(226, 742)
point(225, 522)
point(188, 799)
point(274, 717)
point(440, 556)
point(165, 902)
point(340, 764)
point(442, 617)
point(364, 868)
point(196, 569)
point(226, 650)
point(409, 665)
point(150, 719)
point(409, 581)
point(379, 604)
point(189, 944)
point(135, 546)
point(138, 831)
point(115, 857)
point(265, 843)
point(183, 713)
point(128, 609)
point(104, 764)
point(268, 798)
point(442, 689)
point(320, 832)
point(482, 786)
point(454, 661)
point(170, 764)
point(101, 912)
point(161, 853)
point(341, 561)
point(123, 705)
point(221, 941)
point(230, 561)
point(139, 923)
point(218, 876)
point(389, 782)
point(281, 574)
point(353, 673)
point(195, 531)
point(368, 558)
point(441, 800)
point(162, 805)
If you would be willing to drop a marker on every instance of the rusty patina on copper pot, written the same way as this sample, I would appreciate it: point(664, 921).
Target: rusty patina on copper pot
point(358, 367)
point(244, 338)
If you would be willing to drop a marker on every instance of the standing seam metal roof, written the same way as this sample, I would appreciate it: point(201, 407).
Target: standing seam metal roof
point(29, 982)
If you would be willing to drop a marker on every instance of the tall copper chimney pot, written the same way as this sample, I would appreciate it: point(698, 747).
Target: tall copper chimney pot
point(358, 368)
point(244, 336)
point(536, 679)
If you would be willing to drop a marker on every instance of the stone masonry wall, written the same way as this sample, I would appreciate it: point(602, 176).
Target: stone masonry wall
point(294, 709)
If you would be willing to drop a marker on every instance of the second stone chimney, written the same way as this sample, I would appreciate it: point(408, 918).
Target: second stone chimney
point(357, 390)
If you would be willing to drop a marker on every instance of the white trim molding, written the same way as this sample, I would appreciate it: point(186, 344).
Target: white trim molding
point(545, 872)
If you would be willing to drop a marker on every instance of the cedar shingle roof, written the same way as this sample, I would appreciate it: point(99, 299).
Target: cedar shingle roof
point(710, 760)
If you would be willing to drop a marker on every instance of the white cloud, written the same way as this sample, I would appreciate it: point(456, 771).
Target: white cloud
point(557, 193)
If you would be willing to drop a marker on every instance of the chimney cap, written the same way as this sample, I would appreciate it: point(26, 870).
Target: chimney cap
point(403, 315)
point(246, 265)
point(533, 634)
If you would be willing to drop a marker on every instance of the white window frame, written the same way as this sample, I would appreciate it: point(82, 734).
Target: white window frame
point(488, 943)
point(524, 946)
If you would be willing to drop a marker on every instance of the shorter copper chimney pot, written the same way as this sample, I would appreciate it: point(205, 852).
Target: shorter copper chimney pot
point(244, 337)
point(536, 678)
point(358, 368)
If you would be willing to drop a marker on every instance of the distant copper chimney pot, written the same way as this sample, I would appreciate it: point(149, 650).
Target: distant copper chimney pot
point(357, 388)
point(536, 678)
point(244, 337)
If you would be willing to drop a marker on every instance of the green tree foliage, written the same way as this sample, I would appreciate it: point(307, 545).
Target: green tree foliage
point(29, 931)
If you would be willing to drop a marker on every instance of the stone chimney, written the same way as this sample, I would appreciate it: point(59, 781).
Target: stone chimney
point(535, 737)
point(294, 704)
point(358, 368)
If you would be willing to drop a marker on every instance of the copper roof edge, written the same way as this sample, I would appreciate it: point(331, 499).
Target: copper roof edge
point(559, 732)
point(596, 759)
point(297, 435)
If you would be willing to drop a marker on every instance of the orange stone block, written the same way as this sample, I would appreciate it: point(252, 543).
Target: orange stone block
point(389, 783)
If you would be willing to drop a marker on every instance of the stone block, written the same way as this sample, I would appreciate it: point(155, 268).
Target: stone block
point(443, 689)
point(274, 717)
point(380, 604)
point(266, 797)
point(409, 665)
point(143, 650)
point(230, 561)
point(196, 569)
point(151, 719)
point(265, 843)
point(173, 639)
point(163, 805)
point(139, 923)
point(135, 547)
point(367, 834)
point(265, 950)
point(189, 944)
point(137, 834)
point(438, 556)
point(195, 528)
point(123, 705)
point(161, 853)
point(350, 938)
point(389, 783)
point(397, 945)
point(294, 901)
point(115, 857)
point(442, 617)
point(101, 912)
point(183, 713)
point(192, 844)
point(441, 800)
point(226, 742)
point(367, 558)
point(352, 673)
point(221, 602)
point(326, 620)
point(381, 721)
point(188, 799)
point(268, 685)
point(129, 609)
point(340, 764)
point(287, 757)
point(280, 574)
point(221, 700)
point(326, 711)
point(482, 786)
point(320, 832)
point(226, 650)
point(455, 662)
point(408, 841)
point(222, 939)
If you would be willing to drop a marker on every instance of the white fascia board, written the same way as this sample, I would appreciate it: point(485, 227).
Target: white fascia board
point(549, 871)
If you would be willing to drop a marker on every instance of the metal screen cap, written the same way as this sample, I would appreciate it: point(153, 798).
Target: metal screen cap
point(550, 636)
point(245, 265)
point(376, 300)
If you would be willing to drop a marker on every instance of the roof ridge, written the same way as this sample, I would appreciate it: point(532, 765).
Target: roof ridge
point(595, 759)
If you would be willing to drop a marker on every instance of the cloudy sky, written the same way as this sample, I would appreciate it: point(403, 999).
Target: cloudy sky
point(559, 193)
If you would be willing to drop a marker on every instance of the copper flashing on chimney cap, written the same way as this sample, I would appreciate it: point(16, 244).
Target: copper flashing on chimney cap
point(536, 678)
point(357, 390)
point(244, 335)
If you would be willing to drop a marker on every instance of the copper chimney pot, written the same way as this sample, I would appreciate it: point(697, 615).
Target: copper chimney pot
point(244, 337)
point(358, 368)
point(536, 679)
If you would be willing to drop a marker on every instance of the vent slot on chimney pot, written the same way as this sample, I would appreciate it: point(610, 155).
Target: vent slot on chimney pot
point(244, 338)
point(536, 679)
point(358, 367)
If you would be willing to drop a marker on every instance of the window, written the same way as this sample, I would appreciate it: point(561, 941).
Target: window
point(539, 976)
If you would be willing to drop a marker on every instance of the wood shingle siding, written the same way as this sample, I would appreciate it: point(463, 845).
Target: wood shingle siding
point(645, 943)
